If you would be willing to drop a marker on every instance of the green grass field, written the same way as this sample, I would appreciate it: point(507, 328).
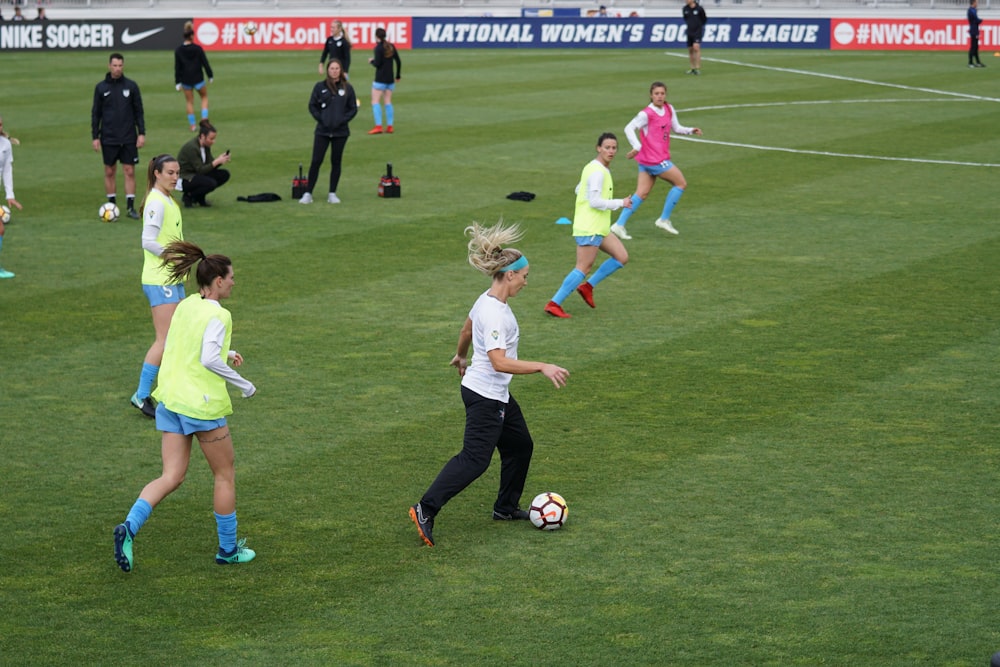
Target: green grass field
point(779, 441)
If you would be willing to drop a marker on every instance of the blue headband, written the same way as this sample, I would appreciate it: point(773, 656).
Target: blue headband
point(521, 262)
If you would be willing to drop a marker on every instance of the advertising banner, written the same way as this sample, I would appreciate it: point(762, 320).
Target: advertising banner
point(909, 34)
point(269, 33)
point(104, 35)
point(616, 33)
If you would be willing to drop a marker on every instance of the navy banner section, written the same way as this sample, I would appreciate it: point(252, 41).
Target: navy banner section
point(617, 33)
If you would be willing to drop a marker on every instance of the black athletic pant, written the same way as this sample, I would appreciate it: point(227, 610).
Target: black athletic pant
point(489, 425)
point(974, 50)
point(320, 144)
point(201, 184)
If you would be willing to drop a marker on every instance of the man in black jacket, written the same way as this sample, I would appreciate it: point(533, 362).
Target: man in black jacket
point(118, 128)
point(695, 19)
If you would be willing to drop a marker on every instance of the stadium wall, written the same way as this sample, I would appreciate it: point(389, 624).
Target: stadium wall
point(418, 32)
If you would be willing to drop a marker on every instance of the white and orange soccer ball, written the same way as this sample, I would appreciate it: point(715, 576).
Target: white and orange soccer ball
point(108, 212)
point(250, 28)
point(548, 511)
point(4, 214)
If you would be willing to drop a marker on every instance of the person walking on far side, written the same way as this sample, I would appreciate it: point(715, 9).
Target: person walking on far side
point(333, 104)
point(385, 55)
point(161, 225)
point(190, 68)
point(652, 154)
point(194, 401)
point(591, 224)
point(493, 419)
point(973, 16)
point(338, 45)
point(7, 176)
point(695, 20)
point(118, 129)
point(201, 172)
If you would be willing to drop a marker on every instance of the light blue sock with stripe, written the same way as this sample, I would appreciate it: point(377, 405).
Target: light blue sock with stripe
point(627, 212)
point(226, 525)
point(389, 114)
point(190, 119)
point(146, 379)
point(570, 283)
point(609, 266)
point(377, 112)
point(204, 114)
point(673, 197)
point(137, 515)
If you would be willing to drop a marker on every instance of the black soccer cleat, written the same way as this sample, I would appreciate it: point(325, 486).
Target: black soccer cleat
point(516, 515)
point(425, 524)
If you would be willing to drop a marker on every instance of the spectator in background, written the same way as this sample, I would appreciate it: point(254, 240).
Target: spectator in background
point(385, 83)
point(974, 21)
point(337, 46)
point(18, 16)
point(199, 170)
point(190, 67)
point(695, 19)
point(41, 15)
point(118, 128)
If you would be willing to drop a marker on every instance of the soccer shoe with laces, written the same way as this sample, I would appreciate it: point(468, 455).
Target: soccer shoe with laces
point(375, 130)
point(241, 554)
point(619, 231)
point(134, 214)
point(306, 199)
point(516, 515)
point(388, 129)
point(144, 405)
point(5, 274)
point(586, 290)
point(555, 310)
point(665, 224)
point(123, 547)
point(332, 198)
point(425, 524)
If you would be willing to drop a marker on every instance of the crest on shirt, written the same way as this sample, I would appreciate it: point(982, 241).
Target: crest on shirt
point(495, 334)
point(126, 92)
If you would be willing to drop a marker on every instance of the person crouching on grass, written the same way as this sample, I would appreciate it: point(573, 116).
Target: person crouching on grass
point(493, 419)
point(193, 401)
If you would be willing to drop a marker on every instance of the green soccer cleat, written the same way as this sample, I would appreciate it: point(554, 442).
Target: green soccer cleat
point(239, 555)
point(123, 547)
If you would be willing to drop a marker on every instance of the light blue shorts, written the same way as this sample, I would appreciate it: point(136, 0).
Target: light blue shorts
point(595, 240)
point(160, 295)
point(657, 169)
point(383, 86)
point(170, 422)
point(197, 86)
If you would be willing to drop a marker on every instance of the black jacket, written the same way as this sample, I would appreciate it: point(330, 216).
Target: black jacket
point(333, 110)
point(383, 64)
point(339, 49)
point(116, 117)
point(189, 61)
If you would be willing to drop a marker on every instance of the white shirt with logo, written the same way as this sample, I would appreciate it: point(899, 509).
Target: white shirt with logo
point(494, 327)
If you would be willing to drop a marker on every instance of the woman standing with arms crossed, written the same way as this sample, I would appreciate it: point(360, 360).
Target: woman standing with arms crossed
point(652, 154)
point(337, 46)
point(161, 224)
point(333, 105)
point(385, 55)
point(189, 61)
point(591, 221)
point(493, 419)
point(194, 401)
point(7, 175)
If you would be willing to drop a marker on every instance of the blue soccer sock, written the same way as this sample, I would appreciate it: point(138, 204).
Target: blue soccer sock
point(190, 119)
point(673, 197)
point(226, 525)
point(570, 283)
point(146, 379)
point(137, 515)
point(609, 266)
point(627, 212)
point(377, 112)
point(1, 243)
point(389, 115)
point(204, 114)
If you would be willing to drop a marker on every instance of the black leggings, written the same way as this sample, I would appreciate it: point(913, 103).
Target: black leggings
point(320, 144)
point(974, 50)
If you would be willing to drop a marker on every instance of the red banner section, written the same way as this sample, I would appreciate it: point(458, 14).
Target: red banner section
point(268, 33)
point(908, 34)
